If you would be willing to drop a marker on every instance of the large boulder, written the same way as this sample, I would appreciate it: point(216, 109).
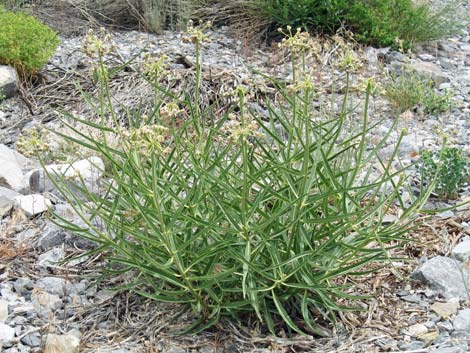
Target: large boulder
point(8, 81)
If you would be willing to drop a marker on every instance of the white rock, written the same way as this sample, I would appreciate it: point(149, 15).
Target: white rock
point(89, 171)
point(8, 81)
point(67, 343)
point(11, 172)
point(446, 310)
point(462, 251)
point(32, 205)
point(416, 330)
point(3, 310)
point(462, 321)
point(7, 333)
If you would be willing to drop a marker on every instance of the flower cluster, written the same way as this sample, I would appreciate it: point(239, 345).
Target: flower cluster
point(297, 41)
point(239, 131)
point(155, 69)
point(195, 34)
point(147, 139)
point(33, 143)
point(98, 45)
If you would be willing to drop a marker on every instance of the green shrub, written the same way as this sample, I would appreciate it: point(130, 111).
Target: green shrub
point(25, 43)
point(450, 168)
point(376, 22)
point(411, 90)
point(239, 214)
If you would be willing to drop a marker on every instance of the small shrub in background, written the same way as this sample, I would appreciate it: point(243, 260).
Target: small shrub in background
point(410, 90)
point(239, 214)
point(152, 15)
point(25, 43)
point(450, 168)
point(376, 22)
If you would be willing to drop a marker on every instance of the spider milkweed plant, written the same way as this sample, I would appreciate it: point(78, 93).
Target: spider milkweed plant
point(241, 215)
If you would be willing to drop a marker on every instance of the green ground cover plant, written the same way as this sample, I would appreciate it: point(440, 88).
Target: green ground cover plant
point(238, 215)
point(449, 166)
point(25, 43)
point(410, 90)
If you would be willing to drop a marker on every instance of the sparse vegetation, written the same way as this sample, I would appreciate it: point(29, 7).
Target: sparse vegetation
point(449, 166)
point(410, 91)
point(25, 43)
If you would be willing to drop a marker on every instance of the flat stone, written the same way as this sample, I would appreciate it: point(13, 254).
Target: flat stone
point(462, 251)
point(416, 330)
point(3, 311)
point(8, 81)
point(32, 205)
point(67, 343)
point(7, 333)
point(428, 337)
point(445, 310)
point(53, 236)
point(31, 340)
point(462, 321)
point(446, 214)
point(445, 276)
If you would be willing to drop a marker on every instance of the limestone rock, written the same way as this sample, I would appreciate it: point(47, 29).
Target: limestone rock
point(7, 333)
point(462, 321)
point(33, 205)
point(11, 172)
point(67, 343)
point(462, 251)
point(8, 81)
point(3, 310)
point(89, 171)
point(444, 275)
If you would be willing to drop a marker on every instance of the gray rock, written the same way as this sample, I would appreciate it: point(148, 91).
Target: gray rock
point(410, 346)
point(8, 193)
point(32, 340)
point(446, 214)
point(462, 321)
point(32, 205)
point(53, 236)
point(5, 205)
point(8, 81)
point(462, 251)
point(7, 333)
point(50, 258)
point(444, 275)
point(456, 349)
point(431, 71)
point(23, 286)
